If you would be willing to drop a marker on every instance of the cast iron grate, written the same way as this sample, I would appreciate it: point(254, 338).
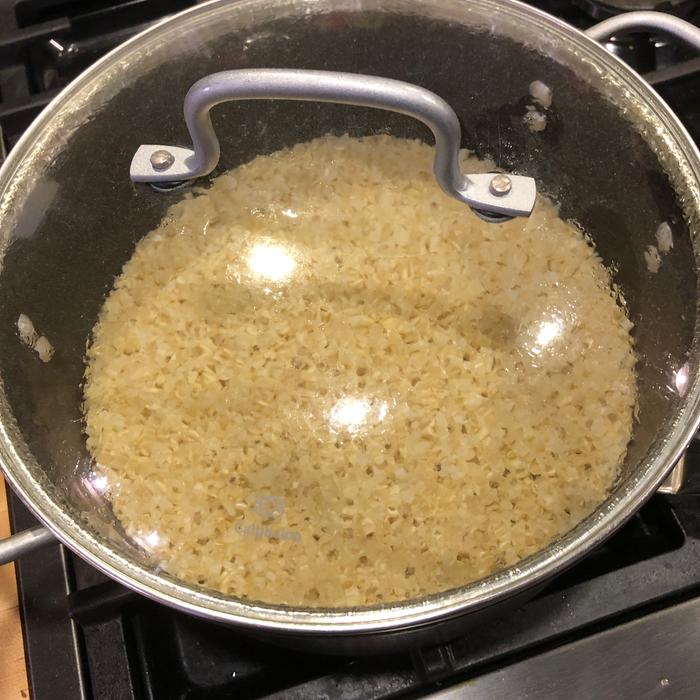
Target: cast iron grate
point(44, 44)
point(135, 648)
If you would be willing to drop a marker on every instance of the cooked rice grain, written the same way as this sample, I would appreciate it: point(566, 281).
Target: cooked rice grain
point(324, 382)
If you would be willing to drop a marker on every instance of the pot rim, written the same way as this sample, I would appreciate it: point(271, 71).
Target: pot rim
point(528, 573)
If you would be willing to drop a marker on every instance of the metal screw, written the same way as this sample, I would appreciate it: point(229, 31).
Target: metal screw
point(500, 185)
point(162, 159)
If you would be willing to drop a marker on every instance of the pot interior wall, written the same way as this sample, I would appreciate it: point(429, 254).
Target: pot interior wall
point(78, 217)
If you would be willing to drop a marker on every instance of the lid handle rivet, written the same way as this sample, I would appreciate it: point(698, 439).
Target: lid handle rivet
point(162, 159)
point(500, 185)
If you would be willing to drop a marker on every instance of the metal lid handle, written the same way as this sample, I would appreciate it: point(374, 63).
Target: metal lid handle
point(511, 195)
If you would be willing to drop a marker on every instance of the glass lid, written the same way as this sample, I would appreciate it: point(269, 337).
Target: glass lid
point(296, 368)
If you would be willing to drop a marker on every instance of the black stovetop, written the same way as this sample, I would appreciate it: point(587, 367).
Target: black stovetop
point(86, 636)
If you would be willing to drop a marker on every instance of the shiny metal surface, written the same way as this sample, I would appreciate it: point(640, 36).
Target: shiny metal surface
point(651, 657)
point(673, 483)
point(640, 21)
point(500, 185)
point(600, 9)
point(24, 542)
point(436, 617)
point(161, 159)
point(476, 191)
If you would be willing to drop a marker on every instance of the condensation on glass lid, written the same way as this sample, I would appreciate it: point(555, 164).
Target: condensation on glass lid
point(30, 337)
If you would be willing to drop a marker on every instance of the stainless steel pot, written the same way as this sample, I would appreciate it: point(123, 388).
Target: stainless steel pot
point(613, 154)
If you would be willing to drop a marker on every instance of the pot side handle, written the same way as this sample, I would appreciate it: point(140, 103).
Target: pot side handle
point(689, 34)
point(642, 21)
point(24, 542)
point(494, 198)
point(676, 479)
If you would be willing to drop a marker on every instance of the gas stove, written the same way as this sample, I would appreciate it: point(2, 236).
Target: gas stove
point(623, 623)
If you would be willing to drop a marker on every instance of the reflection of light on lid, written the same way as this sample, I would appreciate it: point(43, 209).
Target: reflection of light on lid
point(95, 483)
point(549, 330)
point(681, 380)
point(152, 539)
point(99, 481)
point(271, 262)
point(290, 213)
point(148, 540)
point(546, 333)
point(349, 414)
point(352, 414)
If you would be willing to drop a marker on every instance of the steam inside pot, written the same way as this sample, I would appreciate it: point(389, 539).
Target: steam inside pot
point(323, 382)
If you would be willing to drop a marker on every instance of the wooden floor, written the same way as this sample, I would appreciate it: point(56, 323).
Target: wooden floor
point(13, 672)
